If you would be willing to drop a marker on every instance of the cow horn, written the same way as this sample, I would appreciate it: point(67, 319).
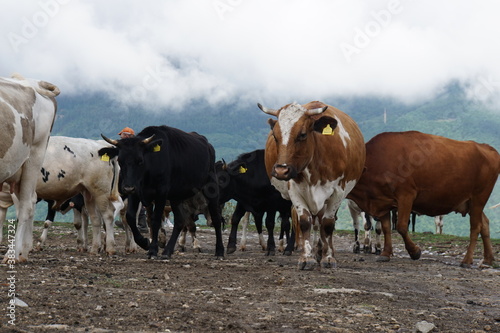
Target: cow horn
point(108, 140)
point(148, 140)
point(272, 112)
point(312, 112)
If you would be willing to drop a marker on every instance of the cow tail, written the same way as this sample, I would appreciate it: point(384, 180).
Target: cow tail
point(114, 193)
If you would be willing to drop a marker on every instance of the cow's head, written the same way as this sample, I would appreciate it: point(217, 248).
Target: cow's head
point(294, 134)
point(132, 157)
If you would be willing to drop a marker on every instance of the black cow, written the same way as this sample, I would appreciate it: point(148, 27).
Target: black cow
point(163, 163)
point(245, 180)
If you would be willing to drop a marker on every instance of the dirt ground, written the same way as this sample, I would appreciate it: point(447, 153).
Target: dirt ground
point(67, 291)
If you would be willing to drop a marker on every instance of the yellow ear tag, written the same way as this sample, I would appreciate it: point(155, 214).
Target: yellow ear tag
point(156, 148)
point(327, 130)
point(242, 169)
point(105, 158)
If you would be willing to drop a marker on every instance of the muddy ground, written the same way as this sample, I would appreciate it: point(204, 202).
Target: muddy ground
point(67, 291)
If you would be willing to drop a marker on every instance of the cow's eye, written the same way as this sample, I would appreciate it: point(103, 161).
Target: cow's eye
point(301, 136)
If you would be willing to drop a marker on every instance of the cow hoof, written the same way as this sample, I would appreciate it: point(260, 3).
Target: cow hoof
point(356, 248)
point(271, 253)
point(287, 253)
point(182, 249)
point(329, 264)
point(378, 252)
point(111, 253)
point(465, 265)
point(367, 249)
point(307, 265)
point(166, 256)
point(416, 255)
point(231, 250)
point(143, 243)
point(383, 259)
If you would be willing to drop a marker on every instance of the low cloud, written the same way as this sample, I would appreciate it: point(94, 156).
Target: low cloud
point(167, 54)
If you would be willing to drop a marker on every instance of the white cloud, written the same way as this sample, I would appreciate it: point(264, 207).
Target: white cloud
point(168, 53)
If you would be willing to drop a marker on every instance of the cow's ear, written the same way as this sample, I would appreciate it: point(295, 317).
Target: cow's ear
point(108, 151)
point(325, 125)
point(154, 146)
point(272, 122)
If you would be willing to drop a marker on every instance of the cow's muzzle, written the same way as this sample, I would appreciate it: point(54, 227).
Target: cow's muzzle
point(283, 172)
point(128, 189)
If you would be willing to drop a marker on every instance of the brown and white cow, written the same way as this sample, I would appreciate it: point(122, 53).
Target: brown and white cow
point(430, 175)
point(27, 113)
point(315, 154)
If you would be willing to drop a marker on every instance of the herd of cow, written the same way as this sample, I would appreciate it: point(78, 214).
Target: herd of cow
point(315, 157)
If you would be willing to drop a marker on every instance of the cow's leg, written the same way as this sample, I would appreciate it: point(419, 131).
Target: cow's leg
point(25, 193)
point(179, 222)
point(192, 230)
point(215, 212)
point(271, 246)
point(239, 212)
point(49, 219)
point(182, 239)
point(306, 260)
point(378, 233)
point(327, 251)
point(290, 233)
point(413, 221)
point(354, 211)
point(367, 243)
point(105, 213)
point(404, 211)
point(95, 219)
point(81, 223)
point(438, 221)
point(131, 221)
point(156, 225)
point(478, 222)
point(244, 230)
point(281, 239)
point(386, 254)
point(485, 236)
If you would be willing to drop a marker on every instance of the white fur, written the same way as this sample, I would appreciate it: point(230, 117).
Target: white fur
point(288, 118)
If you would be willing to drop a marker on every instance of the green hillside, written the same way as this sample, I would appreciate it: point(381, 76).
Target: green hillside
point(236, 128)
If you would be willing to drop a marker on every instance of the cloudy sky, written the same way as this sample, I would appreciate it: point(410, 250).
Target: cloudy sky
point(167, 53)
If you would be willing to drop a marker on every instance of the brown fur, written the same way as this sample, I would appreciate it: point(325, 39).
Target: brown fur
point(430, 175)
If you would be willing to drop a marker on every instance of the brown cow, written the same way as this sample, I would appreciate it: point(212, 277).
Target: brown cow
point(430, 175)
point(314, 156)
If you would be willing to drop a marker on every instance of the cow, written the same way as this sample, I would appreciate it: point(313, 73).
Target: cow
point(245, 180)
point(72, 166)
point(80, 219)
point(431, 175)
point(164, 163)
point(314, 156)
point(438, 221)
point(356, 212)
point(27, 109)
